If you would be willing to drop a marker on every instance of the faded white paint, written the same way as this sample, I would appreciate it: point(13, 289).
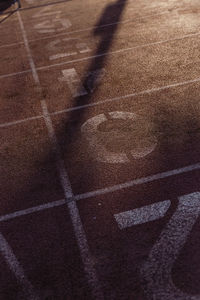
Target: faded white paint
point(73, 82)
point(16, 268)
point(95, 139)
point(46, 12)
point(156, 272)
point(67, 42)
point(50, 26)
point(79, 232)
point(142, 215)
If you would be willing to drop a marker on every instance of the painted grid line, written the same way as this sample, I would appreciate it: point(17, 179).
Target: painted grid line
point(102, 191)
point(96, 27)
point(99, 55)
point(132, 95)
point(79, 232)
point(90, 28)
point(7, 124)
point(17, 269)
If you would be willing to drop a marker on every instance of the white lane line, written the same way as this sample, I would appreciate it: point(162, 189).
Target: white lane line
point(99, 192)
point(16, 269)
point(31, 62)
point(7, 124)
point(15, 74)
point(162, 88)
point(102, 26)
point(61, 55)
point(142, 215)
point(100, 55)
point(32, 210)
point(79, 232)
point(90, 28)
point(118, 51)
point(105, 101)
point(74, 213)
point(138, 181)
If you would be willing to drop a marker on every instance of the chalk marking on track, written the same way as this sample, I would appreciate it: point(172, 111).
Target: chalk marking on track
point(100, 55)
point(156, 271)
point(17, 269)
point(79, 232)
point(88, 29)
point(102, 191)
point(142, 215)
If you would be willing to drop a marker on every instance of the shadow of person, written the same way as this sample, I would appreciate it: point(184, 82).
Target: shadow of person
point(106, 33)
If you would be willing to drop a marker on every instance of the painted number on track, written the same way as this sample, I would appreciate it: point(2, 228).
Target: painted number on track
point(99, 139)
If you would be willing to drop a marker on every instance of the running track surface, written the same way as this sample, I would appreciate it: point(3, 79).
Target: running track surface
point(100, 150)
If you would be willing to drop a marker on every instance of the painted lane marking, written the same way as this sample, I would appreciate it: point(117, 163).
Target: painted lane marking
point(87, 260)
point(156, 272)
point(46, 12)
point(95, 56)
point(133, 95)
point(197, 80)
point(99, 192)
point(92, 79)
point(31, 210)
point(7, 124)
point(80, 47)
point(73, 82)
point(17, 269)
point(138, 181)
point(142, 215)
point(49, 25)
point(95, 27)
point(26, 43)
point(90, 131)
point(61, 55)
point(79, 231)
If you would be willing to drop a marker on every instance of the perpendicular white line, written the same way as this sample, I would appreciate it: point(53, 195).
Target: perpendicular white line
point(7, 124)
point(79, 232)
point(142, 215)
point(15, 74)
point(31, 210)
point(10, 45)
point(149, 91)
point(74, 212)
point(17, 269)
point(101, 26)
point(84, 29)
point(104, 101)
point(30, 58)
point(33, 68)
point(138, 181)
point(117, 51)
point(102, 191)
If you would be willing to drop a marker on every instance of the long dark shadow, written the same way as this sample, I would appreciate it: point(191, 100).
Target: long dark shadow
point(112, 11)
